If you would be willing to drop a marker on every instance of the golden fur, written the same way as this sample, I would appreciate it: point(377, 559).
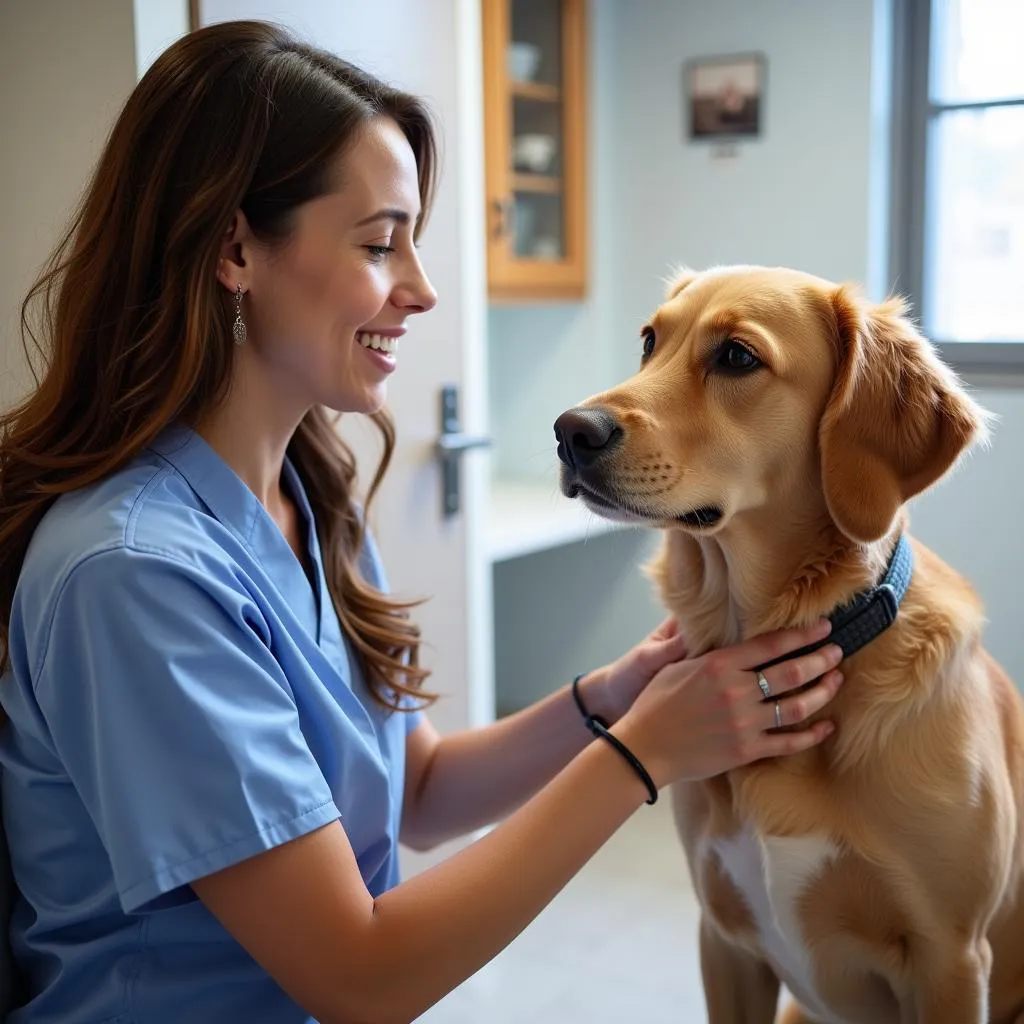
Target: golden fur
point(918, 917)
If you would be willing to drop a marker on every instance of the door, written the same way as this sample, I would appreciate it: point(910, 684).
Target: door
point(432, 49)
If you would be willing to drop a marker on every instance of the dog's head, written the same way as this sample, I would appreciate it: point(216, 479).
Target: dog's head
point(755, 384)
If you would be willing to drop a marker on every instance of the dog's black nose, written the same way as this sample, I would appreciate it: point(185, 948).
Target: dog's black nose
point(584, 435)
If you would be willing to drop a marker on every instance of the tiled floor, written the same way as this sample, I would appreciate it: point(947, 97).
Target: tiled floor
point(619, 943)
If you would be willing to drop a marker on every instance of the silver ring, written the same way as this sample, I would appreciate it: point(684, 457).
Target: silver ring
point(766, 690)
point(778, 715)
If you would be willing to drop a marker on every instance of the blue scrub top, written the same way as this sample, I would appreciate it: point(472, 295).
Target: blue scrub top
point(181, 698)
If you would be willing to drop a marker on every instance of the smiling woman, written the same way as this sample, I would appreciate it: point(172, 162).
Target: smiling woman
point(346, 275)
point(177, 508)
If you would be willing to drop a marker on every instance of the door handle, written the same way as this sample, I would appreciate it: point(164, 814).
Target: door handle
point(450, 446)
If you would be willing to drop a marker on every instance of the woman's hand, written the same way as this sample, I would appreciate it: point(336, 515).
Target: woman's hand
point(610, 691)
point(706, 715)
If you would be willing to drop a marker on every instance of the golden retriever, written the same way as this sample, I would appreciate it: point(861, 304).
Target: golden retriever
point(775, 429)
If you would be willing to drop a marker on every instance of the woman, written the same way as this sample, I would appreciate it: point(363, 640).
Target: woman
point(216, 731)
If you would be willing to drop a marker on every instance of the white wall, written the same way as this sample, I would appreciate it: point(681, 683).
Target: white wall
point(65, 69)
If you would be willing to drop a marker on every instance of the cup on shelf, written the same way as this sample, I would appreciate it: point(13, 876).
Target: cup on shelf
point(534, 151)
point(523, 61)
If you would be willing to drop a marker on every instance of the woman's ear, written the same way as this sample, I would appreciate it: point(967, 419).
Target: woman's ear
point(897, 419)
point(233, 265)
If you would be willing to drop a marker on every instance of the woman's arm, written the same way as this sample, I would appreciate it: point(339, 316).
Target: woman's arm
point(474, 777)
point(302, 910)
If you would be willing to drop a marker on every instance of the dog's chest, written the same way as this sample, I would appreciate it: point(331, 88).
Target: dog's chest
point(772, 873)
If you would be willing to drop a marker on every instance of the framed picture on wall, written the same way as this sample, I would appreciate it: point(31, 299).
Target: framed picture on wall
point(724, 96)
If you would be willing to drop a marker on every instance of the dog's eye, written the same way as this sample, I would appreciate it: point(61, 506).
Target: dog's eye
point(647, 334)
point(736, 358)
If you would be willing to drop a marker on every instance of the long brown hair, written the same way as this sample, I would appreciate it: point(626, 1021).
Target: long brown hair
point(134, 329)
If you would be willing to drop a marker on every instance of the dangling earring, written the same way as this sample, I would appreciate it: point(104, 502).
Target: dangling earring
point(238, 327)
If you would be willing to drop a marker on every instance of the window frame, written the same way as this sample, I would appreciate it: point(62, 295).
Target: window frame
point(912, 115)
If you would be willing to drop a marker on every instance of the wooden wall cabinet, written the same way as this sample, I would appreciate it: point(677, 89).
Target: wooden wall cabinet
point(535, 111)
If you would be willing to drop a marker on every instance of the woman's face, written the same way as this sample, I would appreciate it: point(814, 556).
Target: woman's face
point(325, 312)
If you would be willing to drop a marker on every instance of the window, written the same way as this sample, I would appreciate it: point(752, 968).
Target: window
point(959, 144)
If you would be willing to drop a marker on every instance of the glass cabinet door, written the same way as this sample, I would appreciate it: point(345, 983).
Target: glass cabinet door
point(535, 140)
point(536, 143)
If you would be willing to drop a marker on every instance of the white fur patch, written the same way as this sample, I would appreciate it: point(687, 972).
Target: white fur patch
point(772, 873)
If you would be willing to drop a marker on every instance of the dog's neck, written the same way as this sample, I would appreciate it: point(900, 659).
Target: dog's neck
point(764, 571)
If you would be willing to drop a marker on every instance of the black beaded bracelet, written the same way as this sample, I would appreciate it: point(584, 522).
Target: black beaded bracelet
point(599, 727)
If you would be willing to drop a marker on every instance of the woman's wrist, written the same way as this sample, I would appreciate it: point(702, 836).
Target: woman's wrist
point(633, 735)
point(598, 697)
point(606, 728)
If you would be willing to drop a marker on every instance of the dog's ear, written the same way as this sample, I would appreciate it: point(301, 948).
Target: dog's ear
point(680, 278)
point(896, 421)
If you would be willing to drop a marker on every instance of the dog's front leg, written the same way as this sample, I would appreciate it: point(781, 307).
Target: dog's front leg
point(952, 987)
point(738, 988)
